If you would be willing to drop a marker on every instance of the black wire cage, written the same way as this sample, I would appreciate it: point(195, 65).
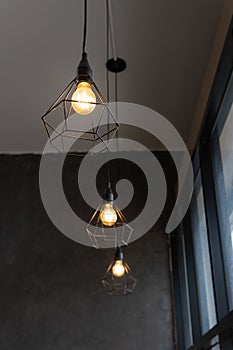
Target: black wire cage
point(104, 236)
point(80, 113)
point(65, 126)
point(118, 280)
point(108, 227)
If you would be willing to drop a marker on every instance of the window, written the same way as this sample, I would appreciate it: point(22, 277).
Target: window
point(202, 259)
point(203, 251)
point(223, 174)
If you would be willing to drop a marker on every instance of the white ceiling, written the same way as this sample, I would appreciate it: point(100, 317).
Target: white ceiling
point(167, 45)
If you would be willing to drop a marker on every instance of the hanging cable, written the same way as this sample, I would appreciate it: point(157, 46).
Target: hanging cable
point(114, 65)
point(112, 32)
point(117, 133)
point(116, 93)
point(107, 73)
point(107, 49)
point(84, 26)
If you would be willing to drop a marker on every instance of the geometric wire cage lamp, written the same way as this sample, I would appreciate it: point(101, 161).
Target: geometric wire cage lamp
point(80, 112)
point(107, 226)
point(118, 279)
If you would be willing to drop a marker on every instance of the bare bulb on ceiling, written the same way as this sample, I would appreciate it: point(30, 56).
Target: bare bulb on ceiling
point(108, 215)
point(83, 99)
point(118, 269)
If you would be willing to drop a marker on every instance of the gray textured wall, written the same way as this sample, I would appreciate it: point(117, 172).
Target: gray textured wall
point(51, 297)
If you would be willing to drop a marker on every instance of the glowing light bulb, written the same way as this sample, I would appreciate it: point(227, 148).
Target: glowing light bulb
point(83, 94)
point(108, 216)
point(118, 269)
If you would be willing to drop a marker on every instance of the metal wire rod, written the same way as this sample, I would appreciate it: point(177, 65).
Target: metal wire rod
point(112, 32)
point(85, 26)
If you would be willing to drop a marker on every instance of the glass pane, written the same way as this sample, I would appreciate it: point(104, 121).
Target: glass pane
point(223, 172)
point(185, 306)
point(214, 344)
point(202, 260)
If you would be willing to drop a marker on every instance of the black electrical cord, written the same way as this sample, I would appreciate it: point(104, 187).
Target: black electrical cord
point(107, 72)
point(85, 27)
point(107, 49)
point(109, 23)
point(117, 133)
point(116, 92)
point(107, 77)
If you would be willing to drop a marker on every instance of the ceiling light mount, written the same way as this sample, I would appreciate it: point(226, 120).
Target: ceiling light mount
point(116, 65)
point(108, 194)
point(84, 71)
point(119, 254)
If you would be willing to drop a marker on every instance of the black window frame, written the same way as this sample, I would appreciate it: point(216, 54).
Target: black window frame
point(219, 103)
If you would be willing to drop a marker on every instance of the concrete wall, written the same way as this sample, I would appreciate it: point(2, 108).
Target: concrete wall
point(51, 297)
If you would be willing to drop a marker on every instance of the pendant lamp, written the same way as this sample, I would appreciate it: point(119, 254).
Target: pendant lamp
point(108, 226)
point(80, 111)
point(118, 279)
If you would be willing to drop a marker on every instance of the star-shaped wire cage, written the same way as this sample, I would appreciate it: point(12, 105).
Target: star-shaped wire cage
point(119, 286)
point(103, 236)
point(73, 133)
